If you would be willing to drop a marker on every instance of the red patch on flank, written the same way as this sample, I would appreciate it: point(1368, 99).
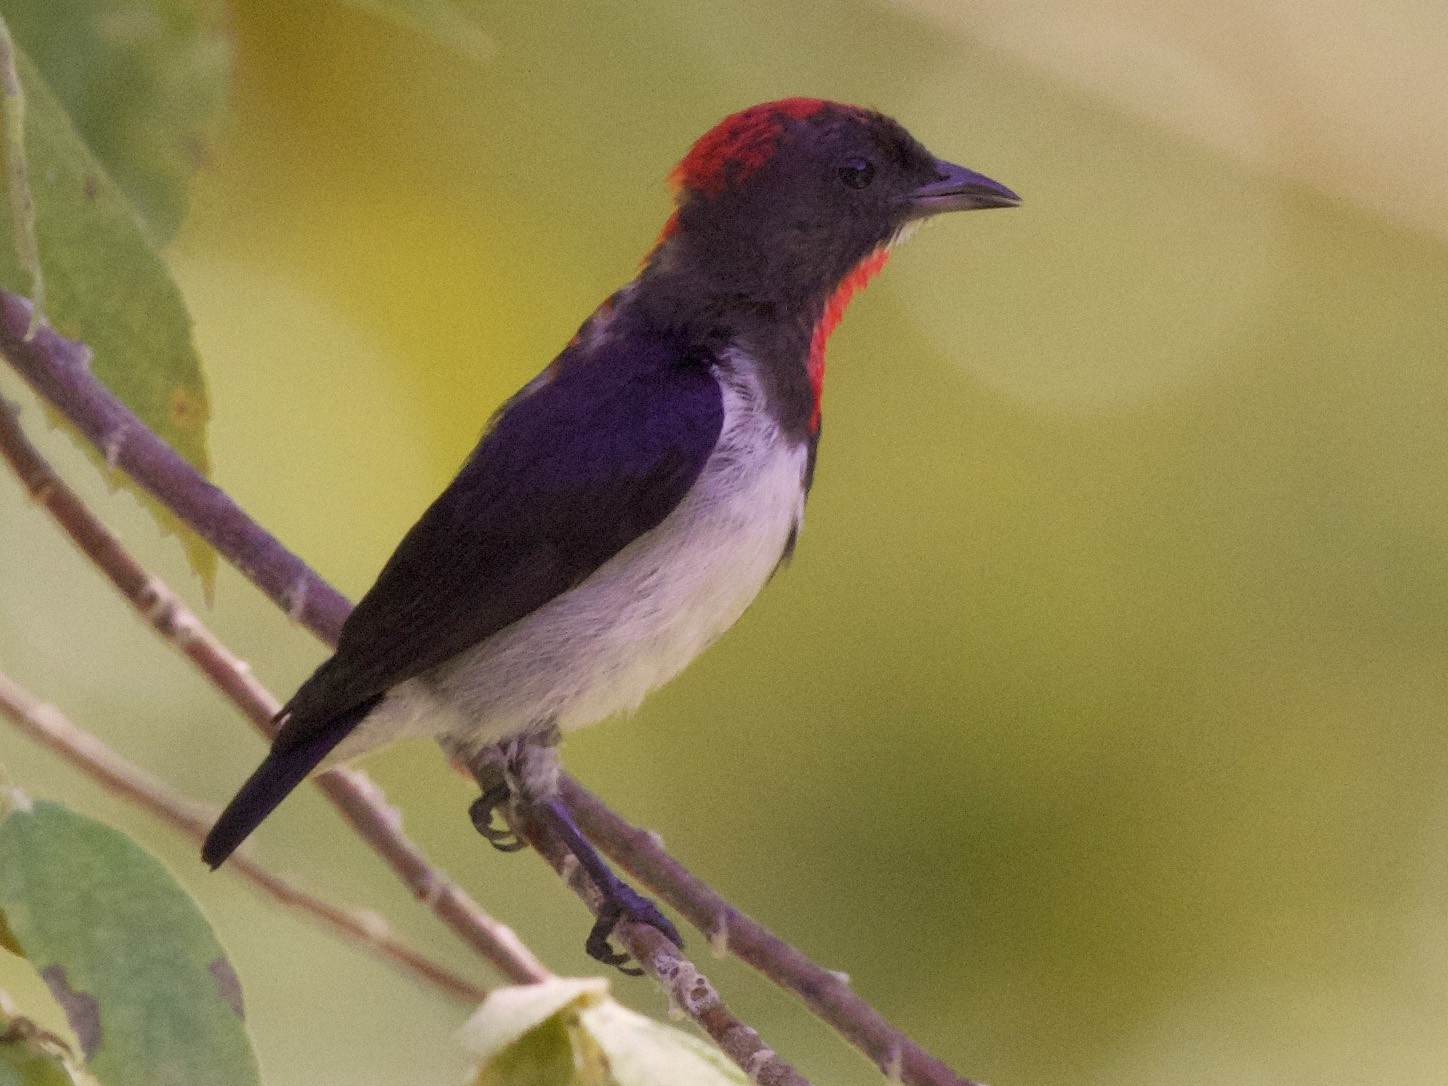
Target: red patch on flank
point(739, 145)
point(861, 274)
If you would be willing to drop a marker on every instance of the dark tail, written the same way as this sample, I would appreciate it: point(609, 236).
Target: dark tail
point(283, 769)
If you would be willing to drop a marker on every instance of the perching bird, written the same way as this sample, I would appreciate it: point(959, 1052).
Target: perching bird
point(625, 507)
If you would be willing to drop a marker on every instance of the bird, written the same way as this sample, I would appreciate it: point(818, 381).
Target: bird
point(623, 509)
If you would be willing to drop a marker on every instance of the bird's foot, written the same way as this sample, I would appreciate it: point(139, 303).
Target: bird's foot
point(620, 901)
point(482, 811)
point(524, 771)
point(623, 902)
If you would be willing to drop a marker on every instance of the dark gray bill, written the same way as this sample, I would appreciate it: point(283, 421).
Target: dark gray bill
point(960, 189)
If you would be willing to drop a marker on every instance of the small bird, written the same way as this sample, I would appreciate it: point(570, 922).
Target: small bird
point(626, 505)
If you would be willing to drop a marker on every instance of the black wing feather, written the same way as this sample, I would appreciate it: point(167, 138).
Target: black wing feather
point(597, 452)
point(280, 772)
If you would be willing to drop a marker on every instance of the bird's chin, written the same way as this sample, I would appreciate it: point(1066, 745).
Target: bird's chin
point(907, 231)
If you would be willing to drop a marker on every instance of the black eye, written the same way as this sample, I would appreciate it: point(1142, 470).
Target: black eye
point(857, 172)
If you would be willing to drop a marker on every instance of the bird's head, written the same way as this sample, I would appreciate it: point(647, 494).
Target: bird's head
point(788, 207)
point(791, 196)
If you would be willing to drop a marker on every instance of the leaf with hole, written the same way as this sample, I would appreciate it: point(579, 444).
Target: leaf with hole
point(147, 989)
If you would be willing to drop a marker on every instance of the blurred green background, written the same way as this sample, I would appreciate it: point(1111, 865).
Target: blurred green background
point(1097, 730)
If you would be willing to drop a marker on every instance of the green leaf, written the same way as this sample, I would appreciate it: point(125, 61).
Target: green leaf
point(8, 941)
point(526, 1035)
point(17, 173)
point(455, 23)
point(107, 287)
point(146, 987)
point(569, 1032)
point(541, 1057)
point(20, 1065)
point(145, 83)
point(642, 1052)
point(31, 1056)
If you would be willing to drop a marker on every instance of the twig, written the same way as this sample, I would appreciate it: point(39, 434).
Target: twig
point(359, 800)
point(826, 993)
point(59, 370)
point(51, 729)
point(689, 991)
point(56, 368)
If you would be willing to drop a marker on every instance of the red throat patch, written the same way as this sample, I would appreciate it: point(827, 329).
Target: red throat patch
point(739, 145)
point(861, 274)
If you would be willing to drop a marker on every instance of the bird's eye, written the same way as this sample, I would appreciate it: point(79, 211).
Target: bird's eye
point(857, 172)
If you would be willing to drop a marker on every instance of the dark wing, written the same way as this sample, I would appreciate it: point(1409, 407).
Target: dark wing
point(597, 452)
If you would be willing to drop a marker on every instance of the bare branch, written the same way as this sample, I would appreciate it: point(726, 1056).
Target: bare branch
point(827, 993)
point(55, 367)
point(51, 729)
point(359, 800)
point(59, 371)
point(689, 991)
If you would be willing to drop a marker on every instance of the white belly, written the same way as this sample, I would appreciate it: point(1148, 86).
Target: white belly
point(599, 648)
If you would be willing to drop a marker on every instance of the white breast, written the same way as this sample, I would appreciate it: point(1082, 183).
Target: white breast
point(640, 618)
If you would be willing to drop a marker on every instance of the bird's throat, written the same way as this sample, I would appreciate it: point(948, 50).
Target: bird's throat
point(829, 319)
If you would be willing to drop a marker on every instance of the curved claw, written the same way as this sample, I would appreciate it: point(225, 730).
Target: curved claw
point(626, 903)
point(601, 950)
point(481, 813)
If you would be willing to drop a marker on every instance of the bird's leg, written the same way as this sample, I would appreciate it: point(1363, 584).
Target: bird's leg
point(530, 773)
point(620, 900)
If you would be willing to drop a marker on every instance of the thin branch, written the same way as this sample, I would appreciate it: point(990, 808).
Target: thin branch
point(689, 991)
point(352, 792)
point(825, 992)
point(57, 369)
point(51, 729)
